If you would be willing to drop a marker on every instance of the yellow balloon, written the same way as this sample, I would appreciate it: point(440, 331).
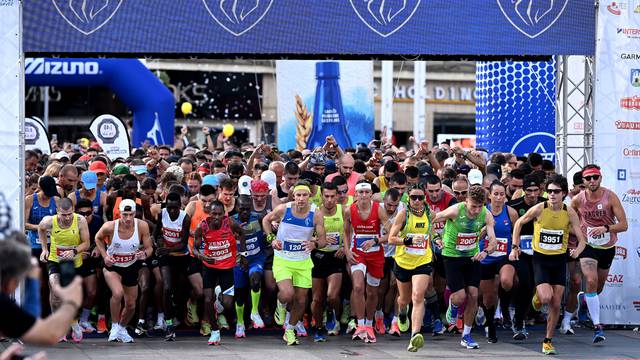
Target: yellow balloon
point(186, 108)
point(228, 130)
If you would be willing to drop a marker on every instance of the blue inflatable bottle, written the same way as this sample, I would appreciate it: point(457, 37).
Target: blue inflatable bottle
point(328, 116)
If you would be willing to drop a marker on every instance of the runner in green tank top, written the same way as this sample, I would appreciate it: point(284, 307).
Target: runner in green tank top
point(461, 256)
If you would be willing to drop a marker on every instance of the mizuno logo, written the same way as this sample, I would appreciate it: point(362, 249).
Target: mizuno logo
point(42, 66)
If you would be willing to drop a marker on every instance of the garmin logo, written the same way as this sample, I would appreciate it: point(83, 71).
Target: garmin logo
point(41, 66)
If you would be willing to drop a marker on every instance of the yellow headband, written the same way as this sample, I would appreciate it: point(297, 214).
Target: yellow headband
point(301, 187)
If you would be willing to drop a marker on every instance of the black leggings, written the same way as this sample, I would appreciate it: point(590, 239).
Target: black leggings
point(525, 290)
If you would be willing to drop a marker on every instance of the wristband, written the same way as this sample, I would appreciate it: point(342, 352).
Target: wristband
point(376, 240)
point(407, 241)
point(271, 237)
point(514, 246)
point(485, 251)
point(607, 227)
point(75, 251)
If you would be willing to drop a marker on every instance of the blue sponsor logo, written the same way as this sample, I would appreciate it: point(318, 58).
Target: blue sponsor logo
point(635, 77)
point(622, 174)
point(542, 143)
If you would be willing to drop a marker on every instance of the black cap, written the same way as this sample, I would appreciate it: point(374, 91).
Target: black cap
point(311, 177)
point(495, 169)
point(48, 186)
point(424, 171)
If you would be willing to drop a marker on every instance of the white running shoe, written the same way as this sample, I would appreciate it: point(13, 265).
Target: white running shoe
point(123, 335)
point(257, 321)
point(240, 331)
point(114, 333)
point(160, 325)
point(87, 327)
point(300, 330)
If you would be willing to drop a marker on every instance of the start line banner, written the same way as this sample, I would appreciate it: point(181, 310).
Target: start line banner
point(617, 149)
point(346, 27)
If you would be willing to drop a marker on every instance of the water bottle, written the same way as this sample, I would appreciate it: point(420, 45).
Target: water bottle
point(328, 116)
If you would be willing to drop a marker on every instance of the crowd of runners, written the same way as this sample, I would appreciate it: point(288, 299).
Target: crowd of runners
point(371, 241)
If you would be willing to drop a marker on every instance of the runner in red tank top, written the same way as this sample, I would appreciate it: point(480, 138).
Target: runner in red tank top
point(215, 246)
point(362, 224)
point(602, 217)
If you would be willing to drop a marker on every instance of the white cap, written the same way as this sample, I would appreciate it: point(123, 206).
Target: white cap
point(244, 185)
point(270, 177)
point(60, 155)
point(127, 203)
point(475, 177)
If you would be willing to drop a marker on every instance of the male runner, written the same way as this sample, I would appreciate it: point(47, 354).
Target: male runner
point(215, 245)
point(460, 250)
point(363, 223)
point(69, 239)
point(128, 241)
point(411, 233)
point(602, 218)
point(328, 264)
point(552, 222)
point(171, 236)
point(292, 246)
point(251, 275)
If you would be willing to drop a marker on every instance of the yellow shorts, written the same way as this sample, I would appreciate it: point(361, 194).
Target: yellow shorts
point(299, 272)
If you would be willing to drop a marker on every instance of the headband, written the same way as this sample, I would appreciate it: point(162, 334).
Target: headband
point(590, 172)
point(363, 186)
point(301, 187)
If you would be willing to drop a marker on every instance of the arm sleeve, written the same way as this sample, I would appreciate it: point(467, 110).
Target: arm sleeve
point(14, 322)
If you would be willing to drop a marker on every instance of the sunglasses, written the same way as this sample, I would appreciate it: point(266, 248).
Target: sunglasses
point(554, 191)
point(592, 177)
point(416, 197)
point(85, 213)
point(459, 193)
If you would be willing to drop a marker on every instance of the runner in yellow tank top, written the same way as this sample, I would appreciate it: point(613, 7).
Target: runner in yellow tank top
point(553, 220)
point(411, 233)
point(69, 239)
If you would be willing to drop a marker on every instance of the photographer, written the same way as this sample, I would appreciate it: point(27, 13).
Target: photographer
point(15, 262)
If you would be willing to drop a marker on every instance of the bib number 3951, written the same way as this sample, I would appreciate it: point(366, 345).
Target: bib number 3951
point(551, 239)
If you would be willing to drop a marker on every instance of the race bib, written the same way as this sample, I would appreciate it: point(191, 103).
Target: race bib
point(292, 246)
point(501, 247)
point(466, 241)
point(599, 240)
point(123, 258)
point(551, 239)
point(334, 247)
point(419, 246)
point(362, 238)
point(60, 249)
point(525, 244)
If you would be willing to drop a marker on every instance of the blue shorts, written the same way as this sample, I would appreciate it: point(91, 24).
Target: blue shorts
point(256, 265)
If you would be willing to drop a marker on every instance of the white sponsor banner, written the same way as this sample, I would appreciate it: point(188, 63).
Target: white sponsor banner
point(36, 136)
point(617, 149)
point(112, 135)
point(11, 109)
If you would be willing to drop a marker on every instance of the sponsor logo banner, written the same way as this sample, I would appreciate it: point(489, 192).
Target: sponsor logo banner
point(112, 136)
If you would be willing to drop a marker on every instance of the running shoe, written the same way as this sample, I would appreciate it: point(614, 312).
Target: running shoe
point(438, 328)
point(280, 314)
point(492, 337)
point(256, 321)
point(113, 334)
point(301, 330)
point(346, 312)
point(205, 328)
point(393, 329)
point(416, 342)
point(161, 325)
point(360, 333)
point(76, 333)
point(171, 334)
point(102, 324)
point(535, 302)
point(192, 314)
point(333, 326)
point(214, 339)
point(319, 336)
point(240, 331)
point(123, 335)
point(480, 318)
point(371, 335)
point(450, 315)
point(63, 339)
point(140, 328)
point(520, 334)
point(352, 326)
point(548, 349)
point(222, 322)
point(87, 327)
point(468, 342)
point(379, 324)
point(403, 320)
point(290, 337)
point(566, 328)
point(598, 335)
point(217, 305)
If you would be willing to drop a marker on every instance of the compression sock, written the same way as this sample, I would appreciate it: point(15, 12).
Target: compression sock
point(593, 303)
point(255, 301)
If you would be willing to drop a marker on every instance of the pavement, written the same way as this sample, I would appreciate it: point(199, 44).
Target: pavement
point(268, 344)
